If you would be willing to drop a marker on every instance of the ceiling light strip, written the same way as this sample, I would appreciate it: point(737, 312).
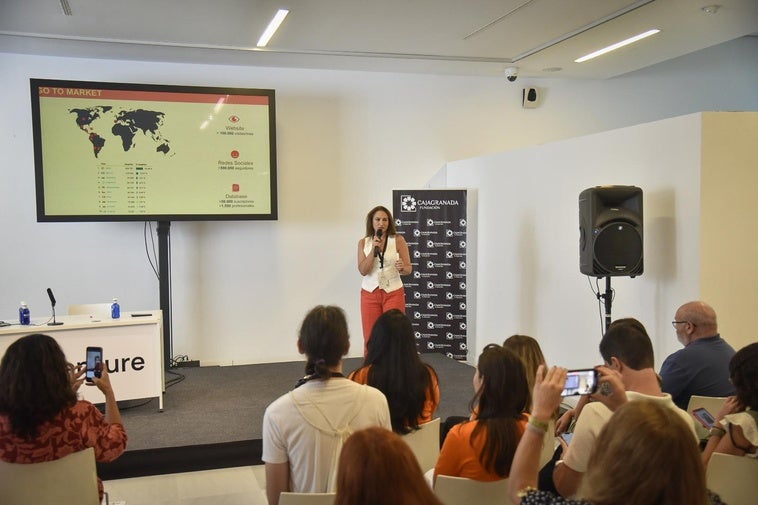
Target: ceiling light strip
point(574, 33)
point(272, 27)
point(66, 8)
point(617, 45)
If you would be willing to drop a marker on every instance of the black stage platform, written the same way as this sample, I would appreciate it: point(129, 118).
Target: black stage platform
point(212, 418)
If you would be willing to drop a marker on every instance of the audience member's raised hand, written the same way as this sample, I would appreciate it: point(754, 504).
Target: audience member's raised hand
point(103, 382)
point(610, 391)
point(563, 422)
point(546, 397)
point(75, 375)
point(730, 406)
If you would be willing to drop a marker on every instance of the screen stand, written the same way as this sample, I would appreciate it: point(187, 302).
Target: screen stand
point(164, 286)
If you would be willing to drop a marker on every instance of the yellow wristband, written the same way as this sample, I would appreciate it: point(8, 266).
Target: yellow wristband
point(538, 425)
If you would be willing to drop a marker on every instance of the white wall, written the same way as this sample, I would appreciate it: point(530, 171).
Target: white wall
point(728, 246)
point(345, 140)
point(528, 257)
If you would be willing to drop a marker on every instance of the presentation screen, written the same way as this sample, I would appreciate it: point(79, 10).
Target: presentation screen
point(140, 152)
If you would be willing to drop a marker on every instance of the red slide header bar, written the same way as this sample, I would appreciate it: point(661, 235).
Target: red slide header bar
point(150, 96)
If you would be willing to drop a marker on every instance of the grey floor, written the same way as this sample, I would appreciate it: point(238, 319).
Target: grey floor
point(226, 404)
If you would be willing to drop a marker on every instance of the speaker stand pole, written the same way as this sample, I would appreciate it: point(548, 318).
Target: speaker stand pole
point(608, 299)
point(164, 286)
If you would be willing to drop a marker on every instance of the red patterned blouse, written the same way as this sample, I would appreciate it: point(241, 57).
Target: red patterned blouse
point(72, 430)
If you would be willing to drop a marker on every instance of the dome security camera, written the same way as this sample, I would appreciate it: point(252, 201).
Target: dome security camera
point(511, 73)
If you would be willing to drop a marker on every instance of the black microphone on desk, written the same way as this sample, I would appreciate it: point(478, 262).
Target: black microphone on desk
point(376, 247)
point(52, 302)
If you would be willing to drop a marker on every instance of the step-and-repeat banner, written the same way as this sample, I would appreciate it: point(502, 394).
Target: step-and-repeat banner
point(433, 223)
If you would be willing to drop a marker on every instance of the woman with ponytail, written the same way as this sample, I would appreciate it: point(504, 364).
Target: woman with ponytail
point(304, 430)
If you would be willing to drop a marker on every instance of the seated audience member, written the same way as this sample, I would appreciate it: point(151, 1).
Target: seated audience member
point(304, 430)
point(482, 448)
point(393, 367)
point(528, 349)
point(736, 428)
point(570, 415)
point(702, 367)
point(40, 416)
point(377, 467)
point(645, 454)
point(628, 352)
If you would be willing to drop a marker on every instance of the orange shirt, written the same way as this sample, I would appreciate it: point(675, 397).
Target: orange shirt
point(432, 394)
point(459, 458)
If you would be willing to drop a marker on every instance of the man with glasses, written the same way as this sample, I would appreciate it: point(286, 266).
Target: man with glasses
point(702, 367)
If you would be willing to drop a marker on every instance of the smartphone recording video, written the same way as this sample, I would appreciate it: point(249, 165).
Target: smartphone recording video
point(94, 363)
point(580, 382)
point(704, 417)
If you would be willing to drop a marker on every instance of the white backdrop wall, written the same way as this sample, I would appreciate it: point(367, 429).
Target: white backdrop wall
point(528, 228)
point(345, 140)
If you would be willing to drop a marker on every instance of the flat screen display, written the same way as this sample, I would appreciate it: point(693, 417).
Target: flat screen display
point(139, 152)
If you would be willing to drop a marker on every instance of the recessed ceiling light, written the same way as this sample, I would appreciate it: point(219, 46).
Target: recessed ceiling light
point(552, 69)
point(272, 27)
point(710, 9)
point(617, 45)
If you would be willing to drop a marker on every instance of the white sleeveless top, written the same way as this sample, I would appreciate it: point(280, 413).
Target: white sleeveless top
point(390, 274)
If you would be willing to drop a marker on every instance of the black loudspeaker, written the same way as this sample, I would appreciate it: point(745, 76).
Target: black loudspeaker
point(529, 98)
point(610, 231)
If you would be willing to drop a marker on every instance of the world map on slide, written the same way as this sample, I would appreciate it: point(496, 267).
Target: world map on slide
point(126, 125)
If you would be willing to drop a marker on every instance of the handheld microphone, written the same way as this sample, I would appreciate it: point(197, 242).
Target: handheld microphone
point(52, 302)
point(376, 247)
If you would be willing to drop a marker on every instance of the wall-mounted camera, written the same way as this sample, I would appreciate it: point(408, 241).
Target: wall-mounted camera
point(511, 73)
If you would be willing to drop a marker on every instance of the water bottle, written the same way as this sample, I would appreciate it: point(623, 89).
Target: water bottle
point(115, 309)
point(23, 314)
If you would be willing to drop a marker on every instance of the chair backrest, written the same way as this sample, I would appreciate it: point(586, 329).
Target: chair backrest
point(711, 403)
point(71, 480)
point(425, 444)
point(90, 309)
point(288, 498)
point(461, 491)
point(733, 478)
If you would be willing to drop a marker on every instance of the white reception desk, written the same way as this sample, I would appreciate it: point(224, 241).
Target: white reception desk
point(132, 350)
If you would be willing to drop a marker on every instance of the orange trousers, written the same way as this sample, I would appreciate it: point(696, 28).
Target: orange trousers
point(376, 303)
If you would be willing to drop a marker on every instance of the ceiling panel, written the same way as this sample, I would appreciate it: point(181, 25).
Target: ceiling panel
point(479, 37)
